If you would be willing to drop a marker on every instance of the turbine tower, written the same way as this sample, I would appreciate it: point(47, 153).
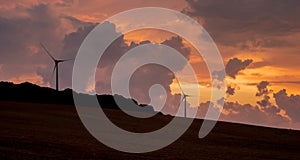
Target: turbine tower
point(183, 99)
point(56, 62)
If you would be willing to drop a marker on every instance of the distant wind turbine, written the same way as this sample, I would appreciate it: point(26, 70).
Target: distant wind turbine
point(56, 62)
point(183, 99)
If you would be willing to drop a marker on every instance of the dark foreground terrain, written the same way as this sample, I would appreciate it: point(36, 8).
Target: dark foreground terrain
point(42, 131)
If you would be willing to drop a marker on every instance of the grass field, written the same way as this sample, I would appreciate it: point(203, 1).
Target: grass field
point(41, 131)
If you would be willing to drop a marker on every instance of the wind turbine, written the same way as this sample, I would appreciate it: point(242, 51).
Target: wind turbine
point(184, 99)
point(56, 62)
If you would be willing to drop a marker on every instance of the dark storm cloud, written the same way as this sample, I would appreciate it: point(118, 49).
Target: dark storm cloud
point(70, 48)
point(21, 54)
point(152, 74)
point(142, 79)
point(43, 25)
point(257, 22)
point(20, 37)
point(275, 16)
point(18, 33)
point(71, 43)
point(119, 47)
point(291, 104)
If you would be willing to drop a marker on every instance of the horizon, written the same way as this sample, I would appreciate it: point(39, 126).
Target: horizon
point(257, 40)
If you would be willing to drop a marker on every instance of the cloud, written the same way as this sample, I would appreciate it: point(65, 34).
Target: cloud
point(43, 24)
point(262, 88)
point(265, 102)
point(19, 41)
point(66, 3)
point(72, 42)
point(21, 55)
point(225, 18)
point(268, 27)
point(245, 113)
point(219, 75)
point(235, 65)
point(264, 113)
point(291, 104)
point(231, 23)
point(142, 79)
point(230, 90)
point(232, 68)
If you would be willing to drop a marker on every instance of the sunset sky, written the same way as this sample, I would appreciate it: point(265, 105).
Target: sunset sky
point(258, 40)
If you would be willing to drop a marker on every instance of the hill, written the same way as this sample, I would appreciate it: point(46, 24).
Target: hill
point(36, 129)
point(28, 92)
point(48, 131)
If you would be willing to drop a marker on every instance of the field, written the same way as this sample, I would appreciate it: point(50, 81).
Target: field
point(42, 131)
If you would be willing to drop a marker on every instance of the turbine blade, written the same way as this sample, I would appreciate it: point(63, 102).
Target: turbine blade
point(180, 102)
point(47, 51)
point(53, 72)
point(180, 87)
point(185, 95)
point(182, 99)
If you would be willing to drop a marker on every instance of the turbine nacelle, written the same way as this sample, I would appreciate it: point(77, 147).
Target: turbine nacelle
point(62, 60)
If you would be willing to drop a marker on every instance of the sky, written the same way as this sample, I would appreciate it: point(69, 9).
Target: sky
point(258, 41)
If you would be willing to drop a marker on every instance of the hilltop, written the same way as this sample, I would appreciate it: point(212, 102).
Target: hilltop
point(28, 92)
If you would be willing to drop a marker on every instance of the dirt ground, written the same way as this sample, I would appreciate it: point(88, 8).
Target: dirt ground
point(41, 131)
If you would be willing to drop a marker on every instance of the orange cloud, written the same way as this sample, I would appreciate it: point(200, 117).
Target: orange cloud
point(32, 78)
